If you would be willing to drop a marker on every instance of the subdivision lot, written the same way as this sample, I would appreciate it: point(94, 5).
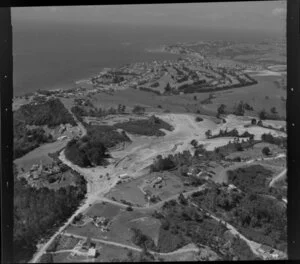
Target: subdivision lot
point(121, 223)
point(135, 190)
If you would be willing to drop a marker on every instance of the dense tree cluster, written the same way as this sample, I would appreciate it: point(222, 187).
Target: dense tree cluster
point(26, 139)
point(279, 141)
point(138, 109)
point(85, 152)
point(147, 127)
point(161, 164)
point(107, 135)
point(272, 115)
point(92, 149)
point(51, 113)
point(232, 133)
point(250, 179)
point(38, 211)
point(92, 111)
point(142, 240)
point(221, 109)
point(183, 223)
point(258, 217)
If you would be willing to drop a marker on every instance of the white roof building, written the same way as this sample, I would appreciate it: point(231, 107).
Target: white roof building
point(123, 176)
point(92, 252)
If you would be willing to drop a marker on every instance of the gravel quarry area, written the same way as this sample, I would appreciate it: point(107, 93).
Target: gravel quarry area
point(135, 158)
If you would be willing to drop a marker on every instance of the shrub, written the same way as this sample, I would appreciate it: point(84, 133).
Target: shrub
point(199, 119)
point(266, 151)
point(138, 109)
point(194, 143)
point(239, 109)
point(273, 110)
point(208, 133)
point(129, 208)
point(221, 109)
point(253, 121)
point(263, 115)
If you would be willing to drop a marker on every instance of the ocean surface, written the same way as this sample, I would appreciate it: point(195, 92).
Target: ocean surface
point(52, 55)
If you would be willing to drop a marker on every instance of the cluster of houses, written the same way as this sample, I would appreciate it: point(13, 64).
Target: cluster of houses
point(102, 222)
point(38, 171)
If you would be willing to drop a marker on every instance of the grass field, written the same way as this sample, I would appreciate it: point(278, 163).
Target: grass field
point(129, 192)
point(109, 253)
point(254, 95)
point(171, 185)
point(255, 152)
point(132, 97)
point(103, 209)
point(38, 155)
point(122, 222)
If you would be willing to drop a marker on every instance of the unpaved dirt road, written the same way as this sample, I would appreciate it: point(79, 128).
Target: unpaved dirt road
point(137, 156)
point(133, 160)
point(278, 177)
point(254, 246)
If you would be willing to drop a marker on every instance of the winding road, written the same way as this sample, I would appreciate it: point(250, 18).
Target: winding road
point(133, 160)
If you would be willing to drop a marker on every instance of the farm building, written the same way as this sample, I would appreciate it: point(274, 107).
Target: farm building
point(124, 176)
point(92, 252)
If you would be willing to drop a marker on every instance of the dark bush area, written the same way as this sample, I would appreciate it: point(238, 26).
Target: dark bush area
point(138, 109)
point(85, 152)
point(38, 211)
point(199, 119)
point(233, 133)
point(92, 149)
point(250, 179)
point(161, 164)
point(183, 224)
point(51, 113)
point(147, 127)
point(279, 141)
point(202, 87)
point(88, 109)
point(142, 240)
point(241, 107)
point(26, 139)
point(258, 217)
point(242, 250)
point(273, 115)
point(107, 135)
